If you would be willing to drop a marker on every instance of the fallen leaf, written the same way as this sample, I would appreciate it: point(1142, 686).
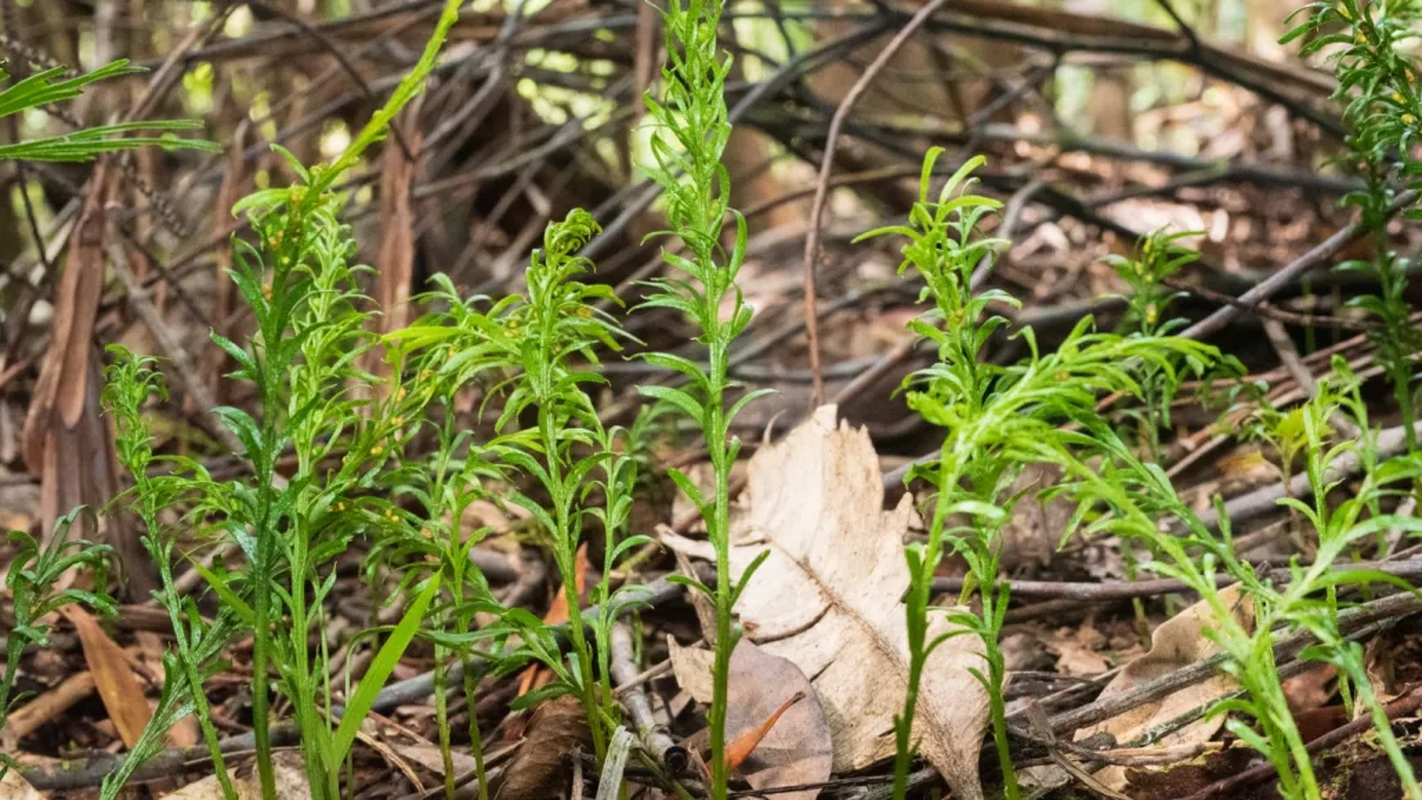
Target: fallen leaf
point(14, 787)
point(287, 768)
point(794, 745)
point(388, 753)
point(542, 767)
point(1078, 651)
point(431, 758)
point(1177, 642)
point(1029, 539)
point(1312, 688)
point(113, 676)
point(827, 599)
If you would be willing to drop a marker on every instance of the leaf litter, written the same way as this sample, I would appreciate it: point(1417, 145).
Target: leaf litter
point(827, 599)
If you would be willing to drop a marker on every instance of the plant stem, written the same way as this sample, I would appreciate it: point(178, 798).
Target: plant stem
point(719, 534)
point(476, 739)
point(566, 544)
point(441, 695)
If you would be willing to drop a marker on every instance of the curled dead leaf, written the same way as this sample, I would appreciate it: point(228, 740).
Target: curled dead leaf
point(542, 767)
point(827, 598)
point(1176, 643)
point(776, 740)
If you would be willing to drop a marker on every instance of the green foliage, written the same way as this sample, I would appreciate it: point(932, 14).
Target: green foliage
point(1157, 258)
point(289, 529)
point(997, 420)
point(1140, 497)
point(35, 572)
point(50, 86)
point(1367, 43)
point(690, 132)
point(130, 381)
point(342, 426)
point(541, 351)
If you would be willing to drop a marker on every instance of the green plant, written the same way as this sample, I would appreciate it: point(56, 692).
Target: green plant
point(542, 348)
point(1157, 258)
point(129, 382)
point(691, 129)
point(34, 573)
point(996, 420)
point(443, 485)
point(50, 86)
point(1378, 84)
point(299, 283)
point(289, 529)
point(1139, 496)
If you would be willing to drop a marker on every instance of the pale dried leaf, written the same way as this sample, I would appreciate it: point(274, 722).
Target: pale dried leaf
point(1029, 540)
point(14, 787)
point(1176, 643)
point(287, 768)
point(828, 600)
point(431, 758)
point(113, 676)
point(799, 748)
point(1078, 651)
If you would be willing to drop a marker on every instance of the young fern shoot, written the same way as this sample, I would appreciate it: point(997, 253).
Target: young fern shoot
point(690, 132)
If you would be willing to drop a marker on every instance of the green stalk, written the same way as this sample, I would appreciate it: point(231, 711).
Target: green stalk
point(442, 718)
point(993, 600)
point(566, 543)
point(201, 710)
point(718, 531)
point(476, 739)
point(262, 577)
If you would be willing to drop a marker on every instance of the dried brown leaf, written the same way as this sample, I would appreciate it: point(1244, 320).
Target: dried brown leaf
point(828, 599)
point(113, 675)
point(798, 747)
point(542, 768)
point(1176, 643)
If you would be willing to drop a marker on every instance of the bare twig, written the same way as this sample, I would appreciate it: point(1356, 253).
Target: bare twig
point(1316, 257)
point(812, 241)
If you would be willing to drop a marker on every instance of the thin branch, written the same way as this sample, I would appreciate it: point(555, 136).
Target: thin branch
point(812, 241)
